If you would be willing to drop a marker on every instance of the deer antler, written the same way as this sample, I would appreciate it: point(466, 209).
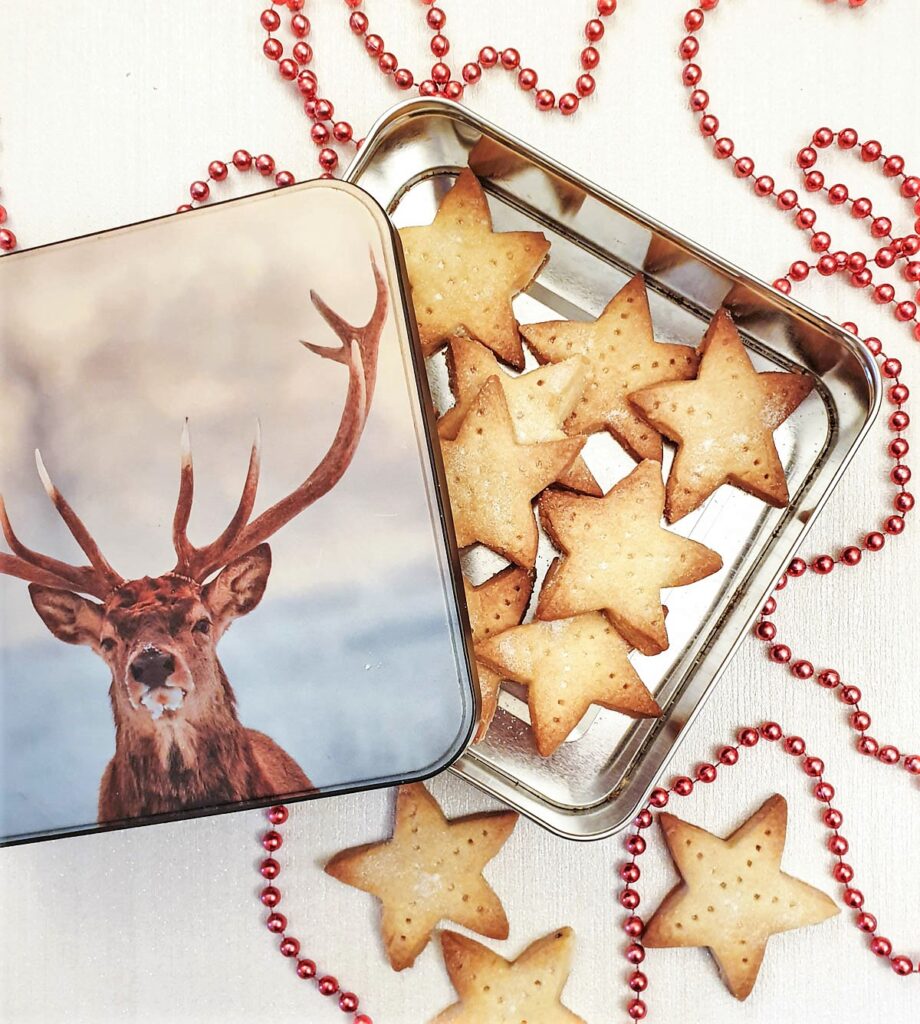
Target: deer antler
point(358, 351)
point(98, 578)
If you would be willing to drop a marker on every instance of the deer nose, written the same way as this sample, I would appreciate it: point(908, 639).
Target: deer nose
point(152, 667)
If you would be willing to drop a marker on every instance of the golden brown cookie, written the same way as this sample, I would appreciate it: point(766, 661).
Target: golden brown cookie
point(733, 896)
point(723, 423)
point(623, 357)
point(494, 990)
point(617, 558)
point(539, 402)
point(463, 275)
point(568, 665)
point(492, 478)
point(429, 871)
point(494, 606)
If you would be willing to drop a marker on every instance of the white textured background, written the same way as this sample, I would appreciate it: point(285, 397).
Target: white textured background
point(108, 111)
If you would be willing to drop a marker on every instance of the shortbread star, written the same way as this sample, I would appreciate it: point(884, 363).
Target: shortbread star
point(429, 871)
point(617, 558)
point(494, 990)
point(539, 402)
point(463, 275)
point(494, 606)
point(568, 665)
point(623, 357)
point(492, 478)
point(733, 896)
point(723, 422)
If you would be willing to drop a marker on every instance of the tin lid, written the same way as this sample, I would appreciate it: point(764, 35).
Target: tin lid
point(124, 352)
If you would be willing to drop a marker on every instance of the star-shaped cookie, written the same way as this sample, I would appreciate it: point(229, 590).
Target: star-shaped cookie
point(494, 990)
point(463, 275)
point(539, 402)
point(568, 665)
point(623, 357)
point(494, 606)
point(492, 478)
point(733, 896)
point(429, 871)
point(617, 558)
point(723, 422)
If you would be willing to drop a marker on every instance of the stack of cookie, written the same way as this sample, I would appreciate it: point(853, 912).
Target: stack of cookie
point(514, 439)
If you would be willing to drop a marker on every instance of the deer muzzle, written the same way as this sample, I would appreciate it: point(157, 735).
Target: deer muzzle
point(157, 680)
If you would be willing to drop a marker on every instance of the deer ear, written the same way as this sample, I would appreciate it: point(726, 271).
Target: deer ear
point(239, 587)
point(71, 618)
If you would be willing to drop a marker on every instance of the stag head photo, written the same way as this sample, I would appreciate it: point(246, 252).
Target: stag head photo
point(179, 742)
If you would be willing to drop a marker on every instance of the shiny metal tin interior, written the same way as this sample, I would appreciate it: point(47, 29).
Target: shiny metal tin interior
point(594, 784)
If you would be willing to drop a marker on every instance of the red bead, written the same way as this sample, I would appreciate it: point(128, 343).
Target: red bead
point(912, 764)
point(856, 261)
point(709, 125)
point(706, 773)
point(769, 606)
point(724, 148)
point(904, 501)
point(853, 898)
point(342, 131)
point(637, 1009)
point(348, 1002)
point(328, 159)
point(889, 755)
point(199, 191)
point(780, 584)
point(850, 694)
point(771, 731)
point(829, 679)
point(851, 556)
point(797, 567)
point(643, 818)
point(820, 241)
point(272, 49)
point(880, 946)
point(327, 986)
point(780, 653)
point(585, 85)
point(688, 48)
point(838, 845)
point(635, 953)
point(894, 525)
point(269, 868)
point(881, 227)
point(453, 90)
point(843, 872)
point(813, 767)
point(471, 73)
point(324, 110)
point(765, 631)
point(794, 745)
point(319, 133)
point(787, 199)
point(488, 56)
point(900, 474)
point(728, 755)
point(594, 30)
point(440, 45)
point(748, 737)
point(357, 22)
point(805, 219)
point(861, 208)
point(270, 896)
point(693, 20)
point(709, 5)
point(590, 58)
point(387, 62)
point(744, 167)
point(302, 53)
point(806, 158)
point(362, 1018)
point(871, 151)
point(428, 88)
point(306, 84)
point(823, 137)
point(510, 58)
point(265, 165)
point(638, 982)
point(568, 104)
point(860, 721)
point(606, 7)
point(838, 194)
point(272, 840)
point(440, 73)
point(288, 70)
point(834, 819)
point(910, 187)
point(300, 25)
point(814, 181)
point(905, 311)
point(404, 78)
point(629, 899)
point(683, 786)
point(306, 969)
point(630, 873)
point(635, 845)
point(436, 19)
point(799, 270)
point(893, 166)
point(545, 99)
point(824, 792)
point(374, 45)
point(867, 745)
point(184, 208)
point(633, 926)
point(2, 214)
point(847, 138)
point(692, 74)
point(764, 186)
point(276, 922)
point(217, 170)
point(289, 946)
point(823, 565)
point(899, 420)
point(827, 266)
point(902, 965)
point(283, 179)
point(659, 797)
point(699, 100)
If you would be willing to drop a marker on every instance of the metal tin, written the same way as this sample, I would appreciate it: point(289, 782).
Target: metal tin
point(595, 783)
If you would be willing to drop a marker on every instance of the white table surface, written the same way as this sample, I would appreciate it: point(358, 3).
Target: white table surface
point(109, 110)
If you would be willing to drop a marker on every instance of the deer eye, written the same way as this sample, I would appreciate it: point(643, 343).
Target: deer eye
point(107, 644)
point(202, 626)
